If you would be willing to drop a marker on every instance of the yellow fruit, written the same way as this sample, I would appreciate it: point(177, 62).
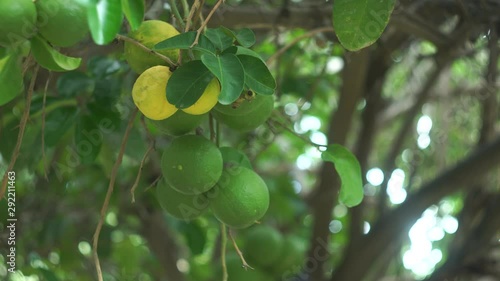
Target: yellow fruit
point(181, 206)
point(149, 94)
point(62, 22)
point(263, 245)
point(149, 34)
point(178, 124)
point(191, 164)
point(17, 21)
point(240, 198)
point(207, 100)
point(248, 116)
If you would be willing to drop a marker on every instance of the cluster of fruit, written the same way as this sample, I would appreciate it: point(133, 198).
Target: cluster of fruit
point(197, 177)
point(272, 255)
point(23, 19)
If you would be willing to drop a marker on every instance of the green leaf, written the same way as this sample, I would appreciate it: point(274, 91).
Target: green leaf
point(57, 122)
point(234, 156)
point(187, 84)
point(88, 138)
point(51, 59)
point(184, 41)
point(73, 83)
point(245, 36)
point(134, 12)
point(245, 51)
point(11, 78)
point(48, 275)
point(103, 66)
point(195, 235)
point(105, 20)
point(228, 69)
point(347, 166)
point(257, 76)
point(219, 38)
point(360, 23)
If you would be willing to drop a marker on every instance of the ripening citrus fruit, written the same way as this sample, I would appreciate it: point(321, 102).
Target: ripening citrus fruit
point(248, 116)
point(263, 245)
point(191, 164)
point(291, 256)
point(181, 206)
point(149, 34)
point(149, 95)
point(240, 198)
point(236, 272)
point(62, 22)
point(207, 100)
point(17, 21)
point(178, 124)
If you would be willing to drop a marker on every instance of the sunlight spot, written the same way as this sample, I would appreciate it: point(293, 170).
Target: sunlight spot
point(306, 106)
point(319, 138)
point(340, 211)
point(424, 125)
point(366, 227)
point(297, 186)
point(335, 226)
point(423, 141)
point(54, 258)
point(397, 194)
point(84, 248)
point(449, 224)
point(375, 176)
point(435, 234)
point(182, 265)
point(111, 219)
point(310, 123)
point(334, 65)
point(303, 162)
point(291, 109)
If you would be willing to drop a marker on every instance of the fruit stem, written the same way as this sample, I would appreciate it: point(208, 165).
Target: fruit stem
point(205, 22)
point(320, 147)
point(177, 15)
point(245, 265)
point(138, 44)
point(223, 250)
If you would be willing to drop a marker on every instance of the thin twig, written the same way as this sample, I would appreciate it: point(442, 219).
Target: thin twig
point(205, 22)
point(296, 40)
point(153, 183)
point(217, 133)
point(318, 146)
point(189, 19)
point(175, 10)
point(43, 124)
point(243, 261)
point(140, 45)
point(211, 126)
point(223, 250)
point(20, 135)
point(111, 185)
point(136, 183)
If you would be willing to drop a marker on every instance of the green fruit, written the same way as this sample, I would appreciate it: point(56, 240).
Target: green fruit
point(263, 245)
point(181, 206)
point(191, 164)
point(17, 21)
point(248, 116)
point(62, 22)
point(291, 256)
point(178, 124)
point(236, 272)
point(240, 198)
point(149, 34)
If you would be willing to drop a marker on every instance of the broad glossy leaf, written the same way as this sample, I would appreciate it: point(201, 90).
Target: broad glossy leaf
point(219, 38)
point(104, 66)
point(51, 59)
point(73, 83)
point(134, 12)
point(105, 19)
point(257, 76)
point(359, 23)
point(245, 51)
point(187, 84)
point(234, 156)
point(347, 166)
point(228, 69)
point(245, 36)
point(11, 78)
point(184, 41)
point(88, 138)
point(57, 122)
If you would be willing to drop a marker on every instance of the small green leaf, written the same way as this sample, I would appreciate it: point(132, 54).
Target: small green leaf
point(257, 76)
point(184, 41)
point(360, 23)
point(347, 166)
point(245, 36)
point(219, 38)
point(134, 12)
point(11, 78)
point(233, 156)
point(196, 236)
point(57, 123)
point(88, 138)
point(73, 83)
point(245, 51)
point(228, 69)
point(105, 20)
point(51, 59)
point(187, 84)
